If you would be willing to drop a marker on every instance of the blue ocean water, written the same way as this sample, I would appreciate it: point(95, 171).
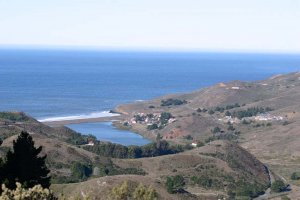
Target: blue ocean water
point(54, 83)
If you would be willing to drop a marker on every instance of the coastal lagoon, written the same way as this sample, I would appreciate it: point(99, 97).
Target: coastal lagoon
point(60, 84)
point(104, 131)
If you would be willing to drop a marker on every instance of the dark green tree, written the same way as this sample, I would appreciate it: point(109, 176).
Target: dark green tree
point(24, 165)
point(1, 168)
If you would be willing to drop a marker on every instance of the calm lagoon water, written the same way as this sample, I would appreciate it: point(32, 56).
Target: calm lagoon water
point(63, 83)
point(106, 132)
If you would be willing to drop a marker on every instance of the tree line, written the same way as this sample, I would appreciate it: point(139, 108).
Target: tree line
point(153, 149)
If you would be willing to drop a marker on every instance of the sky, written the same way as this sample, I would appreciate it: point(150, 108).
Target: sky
point(206, 25)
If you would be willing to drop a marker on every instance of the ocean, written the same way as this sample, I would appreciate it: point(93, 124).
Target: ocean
point(49, 83)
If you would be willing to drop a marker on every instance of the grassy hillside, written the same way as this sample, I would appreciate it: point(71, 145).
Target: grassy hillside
point(61, 144)
point(272, 135)
point(215, 170)
point(222, 168)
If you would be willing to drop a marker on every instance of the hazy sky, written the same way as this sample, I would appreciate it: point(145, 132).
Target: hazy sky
point(251, 25)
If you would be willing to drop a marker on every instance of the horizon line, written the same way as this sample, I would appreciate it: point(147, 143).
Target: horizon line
point(141, 49)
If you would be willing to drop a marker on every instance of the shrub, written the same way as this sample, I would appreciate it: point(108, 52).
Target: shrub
point(278, 186)
point(34, 193)
point(203, 181)
point(125, 191)
point(170, 102)
point(211, 112)
point(14, 116)
point(216, 130)
point(164, 117)
point(80, 171)
point(144, 193)
point(227, 113)
point(175, 184)
point(188, 137)
point(250, 112)
point(246, 122)
point(219, 109)
point(152, 127)
point(200, 144)
point(285, 123)
point(230, 128)
point(295, 176)
point(120, 192)
point(285, 198)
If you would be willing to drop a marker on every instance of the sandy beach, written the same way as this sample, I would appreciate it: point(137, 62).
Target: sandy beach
point(79, 121)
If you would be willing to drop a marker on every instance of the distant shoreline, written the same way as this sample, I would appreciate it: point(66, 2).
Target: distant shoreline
point(79, 121)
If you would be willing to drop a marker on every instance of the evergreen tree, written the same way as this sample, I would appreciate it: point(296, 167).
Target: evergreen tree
point(1, 168)
point(23, 165)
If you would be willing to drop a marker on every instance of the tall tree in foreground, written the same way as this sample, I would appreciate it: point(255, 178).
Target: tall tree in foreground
point(1, 168)
point(23, 165)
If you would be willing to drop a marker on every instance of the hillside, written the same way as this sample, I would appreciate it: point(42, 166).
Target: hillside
point(211, 171)
point(58, 143)
point(220, 168)
point(263, 116)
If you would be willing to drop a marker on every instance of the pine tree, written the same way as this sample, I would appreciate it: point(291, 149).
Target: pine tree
point(23, 165)
point(1, 168)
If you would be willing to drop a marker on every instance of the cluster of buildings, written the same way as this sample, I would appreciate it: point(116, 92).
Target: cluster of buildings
point(230, 119)
point(148, 119)
point(267, 117)
point(260, 117)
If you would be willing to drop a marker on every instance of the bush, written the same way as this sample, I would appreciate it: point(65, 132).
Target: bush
point(246, 122)
point(80, 171)
point(34, 193)
point(211, 112)
point(164, 117)
point(295, 176)
point(269, 124)
point(144, 193)
point(230, 128)
point(203, 181)
point(200, 144)
point(188, 137)
point(228, 107)
point(120, 192)
point(285, 123)
point(250, 112)
point(285, 198)
point(175, 184)
point(227, 113)
point(125, 191)
point(14, 116)
point(170, 102)
point(278, 186)
point(152, 127)
point(216, 130)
